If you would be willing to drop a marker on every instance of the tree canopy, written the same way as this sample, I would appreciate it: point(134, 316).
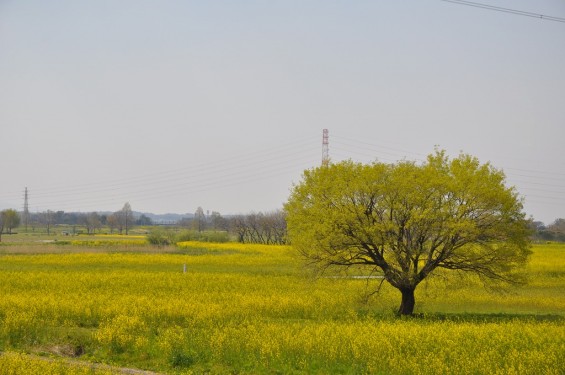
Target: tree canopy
point(10, 219)
point(405, 220)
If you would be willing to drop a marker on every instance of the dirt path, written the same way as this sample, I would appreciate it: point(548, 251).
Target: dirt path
point(92, 365)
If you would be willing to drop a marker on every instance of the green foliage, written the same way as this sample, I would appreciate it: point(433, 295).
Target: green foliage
point(404, 220)
point(9, 219)
point(160, 237)
point(204, 236)
point(553, 232)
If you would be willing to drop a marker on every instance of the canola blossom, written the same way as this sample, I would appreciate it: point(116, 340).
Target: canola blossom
point(256, 309)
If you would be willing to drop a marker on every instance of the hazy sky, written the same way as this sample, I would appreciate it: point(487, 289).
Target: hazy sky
point(171, 105)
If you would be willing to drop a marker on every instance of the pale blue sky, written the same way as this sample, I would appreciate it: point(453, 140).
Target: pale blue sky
point(172, 105)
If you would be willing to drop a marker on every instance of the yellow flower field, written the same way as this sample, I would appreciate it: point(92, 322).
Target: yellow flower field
point(256, 309)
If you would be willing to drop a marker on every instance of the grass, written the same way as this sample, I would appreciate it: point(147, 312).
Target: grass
point(254, 309)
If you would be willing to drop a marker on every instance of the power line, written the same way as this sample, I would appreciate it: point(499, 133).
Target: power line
point(252, 167)
point(216, 182)
point(191, 171)
point(537, 186)
point(374, 151)
point(301, 154)
point(241, 169)
point(506, 10)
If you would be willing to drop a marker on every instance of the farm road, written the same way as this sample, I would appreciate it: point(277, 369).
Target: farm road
point(91, 365)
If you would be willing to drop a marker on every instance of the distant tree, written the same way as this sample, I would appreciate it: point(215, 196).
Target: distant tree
point(239, 227)
point(277, 223)
point(144, 220)
point(540, 231)
point(557, 230)
point(113, 222)
point(60, 217)
point(218, 222)
point(1, 224)
point(126, 218)
point(34, 220)
point(83, 221)
point(199, 221)
point(70, 218)
point(558, 225)
point(537, 225)
point(3, 217)
point(185, 222)
point(47, 218)
point(255, 231)
point(405, 220)
point(259, 227)
point(92, 222)
point(11, 219)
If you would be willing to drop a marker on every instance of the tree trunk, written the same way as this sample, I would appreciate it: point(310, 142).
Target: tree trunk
point(408, 302)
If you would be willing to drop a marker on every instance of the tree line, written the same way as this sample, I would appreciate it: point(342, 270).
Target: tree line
point(256, 227)
point(120, 221)
point(552, 232)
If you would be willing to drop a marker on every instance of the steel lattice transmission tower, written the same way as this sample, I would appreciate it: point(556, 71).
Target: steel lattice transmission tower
point(325, 148)
point(26, 209)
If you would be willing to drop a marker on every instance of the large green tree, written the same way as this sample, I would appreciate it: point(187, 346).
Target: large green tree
point(406, 220)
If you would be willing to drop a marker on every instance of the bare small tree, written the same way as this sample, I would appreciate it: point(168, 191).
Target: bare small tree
point(47, 218)
point(217, 221)
point(126, 217)
point(237, 225)
point(199, 221)
point(266, 228)
point(113, 222)
point(92, 222)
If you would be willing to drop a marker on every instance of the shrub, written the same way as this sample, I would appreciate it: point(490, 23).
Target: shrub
point(159, 237)
point(205, 236)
